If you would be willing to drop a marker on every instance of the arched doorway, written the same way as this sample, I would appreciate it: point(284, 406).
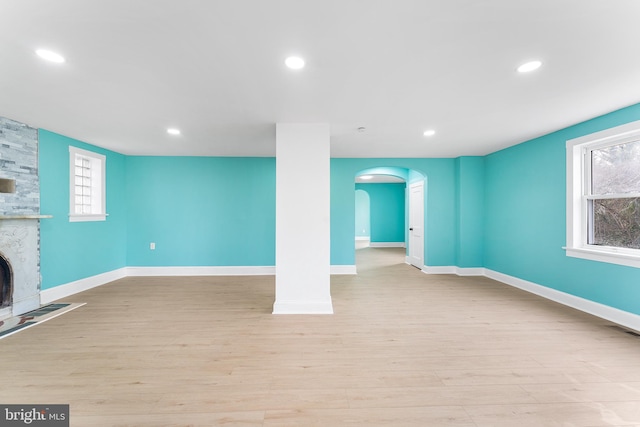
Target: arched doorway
point(392, 218)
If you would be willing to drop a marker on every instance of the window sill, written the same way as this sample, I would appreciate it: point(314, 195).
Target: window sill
point(630, 260)
point(87, 218)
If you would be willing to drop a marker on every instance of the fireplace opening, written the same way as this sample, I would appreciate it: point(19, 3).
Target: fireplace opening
point(6, 282)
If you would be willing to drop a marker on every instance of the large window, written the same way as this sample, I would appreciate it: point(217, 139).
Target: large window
point(87, 185)
point(603, 196)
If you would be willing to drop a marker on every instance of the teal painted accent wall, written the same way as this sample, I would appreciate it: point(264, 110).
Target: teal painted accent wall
point(440, 205)
point(387, 211)
point(470, 211)
point(201, 211)
point(70, 251)
point(525, 219)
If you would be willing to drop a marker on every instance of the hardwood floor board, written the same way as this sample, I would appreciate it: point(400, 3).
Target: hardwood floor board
point(584, 392)
point(592, 358)
point(520, 376)
point(112, 403)
point(617, 373)
point(204, 419)
point(592, 414)
point(438, 396)
point(250, 398)
point(370, 417)
point(479, 362)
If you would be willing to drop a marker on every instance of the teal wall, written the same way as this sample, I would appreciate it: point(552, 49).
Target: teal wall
point(470, 211)
point(525, 219)
point(387, 211)
point(201, 211)
point(75, 250)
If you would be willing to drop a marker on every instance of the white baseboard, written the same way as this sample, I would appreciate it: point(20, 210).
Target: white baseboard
point(303, 307)
point(386, 245)
point(624, 318)
point(63, 291)
point(470, 271)
point(446, 269)
point(343, 269)
point(202, 271)
point(452, 269)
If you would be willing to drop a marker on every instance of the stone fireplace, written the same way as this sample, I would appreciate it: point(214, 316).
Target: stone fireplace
point(19, 219)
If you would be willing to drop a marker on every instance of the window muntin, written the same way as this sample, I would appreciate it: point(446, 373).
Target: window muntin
point(87, 185)
point(612, 199)
point(82, 185)
point(603, 196)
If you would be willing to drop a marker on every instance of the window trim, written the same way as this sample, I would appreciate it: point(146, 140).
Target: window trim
point(95, 157)
point(577, 183)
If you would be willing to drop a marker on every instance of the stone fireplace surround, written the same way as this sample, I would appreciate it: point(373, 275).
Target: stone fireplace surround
point(20, 215)
point(19, 245)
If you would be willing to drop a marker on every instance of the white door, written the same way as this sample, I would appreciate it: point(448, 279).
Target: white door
point(416, 224)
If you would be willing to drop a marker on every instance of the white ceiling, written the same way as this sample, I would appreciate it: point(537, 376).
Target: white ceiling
point(215, 69)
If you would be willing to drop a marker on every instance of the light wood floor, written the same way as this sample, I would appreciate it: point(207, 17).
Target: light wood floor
point(402, 349)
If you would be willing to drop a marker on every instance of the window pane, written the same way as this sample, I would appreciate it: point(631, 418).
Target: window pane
point(616, 169)
point(615, 222)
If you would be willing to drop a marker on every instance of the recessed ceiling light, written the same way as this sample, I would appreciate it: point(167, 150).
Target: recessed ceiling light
point(362, 129)
point(294, 62)
point(529, 66)
point(429, 132)
point(366, 177)
point(173, 131)
point(50, 56)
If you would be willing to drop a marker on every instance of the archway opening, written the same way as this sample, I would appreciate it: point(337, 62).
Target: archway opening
point(389, 208)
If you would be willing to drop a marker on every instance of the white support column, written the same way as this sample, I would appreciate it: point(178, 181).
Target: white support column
point(302, 219)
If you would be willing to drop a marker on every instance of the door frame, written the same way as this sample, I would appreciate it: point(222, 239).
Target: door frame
point(415, 238)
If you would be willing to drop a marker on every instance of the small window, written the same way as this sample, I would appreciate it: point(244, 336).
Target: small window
point(603, 196)
point(87, 185)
